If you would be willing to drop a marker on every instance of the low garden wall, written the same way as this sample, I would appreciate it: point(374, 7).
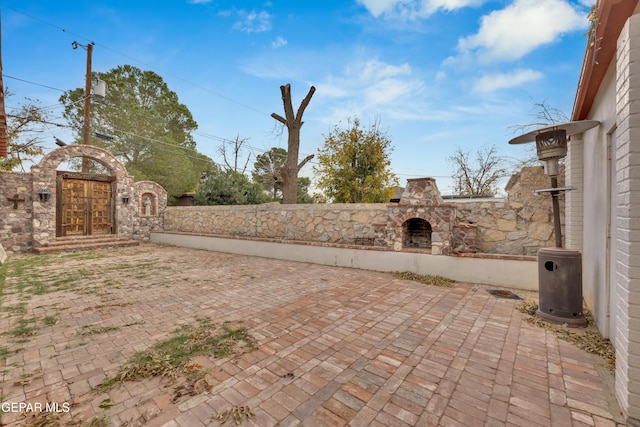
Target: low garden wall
point(330, 223)
point(501, 226)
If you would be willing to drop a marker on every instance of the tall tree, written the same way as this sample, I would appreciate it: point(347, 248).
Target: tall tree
point(147, 122)
point(266, 170)
point(354, 165)
point(293, 123)
point(478, 175)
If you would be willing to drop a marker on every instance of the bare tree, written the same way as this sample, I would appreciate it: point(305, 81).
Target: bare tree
point(544, 115)
point(24, 124)
point(480, 175)
point(237, 149)
point(293, 123)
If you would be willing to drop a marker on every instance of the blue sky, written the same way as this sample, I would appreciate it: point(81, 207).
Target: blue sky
point(436, 74)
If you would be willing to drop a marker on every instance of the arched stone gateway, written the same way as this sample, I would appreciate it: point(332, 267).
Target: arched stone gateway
point(55, 204)
point(81, 204)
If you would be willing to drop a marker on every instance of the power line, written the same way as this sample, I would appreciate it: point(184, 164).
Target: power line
point(197, 132)
point(218, 138)
point(30, 82)
point(138, 61)
point(205, 159)
point(214, 137)
point(41, 121)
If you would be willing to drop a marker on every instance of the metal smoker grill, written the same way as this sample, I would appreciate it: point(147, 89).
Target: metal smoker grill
point(559, 269)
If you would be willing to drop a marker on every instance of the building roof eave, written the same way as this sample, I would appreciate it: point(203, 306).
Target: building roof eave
point(601, 48)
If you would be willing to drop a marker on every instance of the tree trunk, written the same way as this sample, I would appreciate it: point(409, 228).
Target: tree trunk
point(293, 124)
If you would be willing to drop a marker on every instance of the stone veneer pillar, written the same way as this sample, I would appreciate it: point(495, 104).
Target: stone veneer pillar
point(574, 199)
point(627, 220)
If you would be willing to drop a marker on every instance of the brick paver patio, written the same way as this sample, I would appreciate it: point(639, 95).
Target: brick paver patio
point(335, 346)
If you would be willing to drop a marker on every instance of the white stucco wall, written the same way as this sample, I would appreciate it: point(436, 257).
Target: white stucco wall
point(596, 206)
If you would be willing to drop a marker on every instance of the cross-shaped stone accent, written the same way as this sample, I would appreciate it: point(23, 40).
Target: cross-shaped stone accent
point(15, 199)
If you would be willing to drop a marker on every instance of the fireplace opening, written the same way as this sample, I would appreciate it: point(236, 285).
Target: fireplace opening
point(416, 234)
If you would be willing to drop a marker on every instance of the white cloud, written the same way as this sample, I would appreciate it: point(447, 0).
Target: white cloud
point(492, 82)
point(521, 27)
point(278, 42)
point(376, 70)
point(373, 88)
point(199, 1)
point(440, 76)
point(253, 22)
point(379, 7)
point(413, 9)
point(379, 81)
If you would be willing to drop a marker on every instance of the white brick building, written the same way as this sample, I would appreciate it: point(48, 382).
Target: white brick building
point(603, 165)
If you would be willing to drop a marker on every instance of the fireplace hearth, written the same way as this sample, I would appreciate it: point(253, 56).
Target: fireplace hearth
point(416, 233)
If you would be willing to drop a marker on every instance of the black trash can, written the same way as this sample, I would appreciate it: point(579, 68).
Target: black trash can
point(560, 286)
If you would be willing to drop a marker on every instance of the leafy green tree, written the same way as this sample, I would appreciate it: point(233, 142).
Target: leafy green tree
point(229, 188)
point(149, 128)
point(266, 171)
point(353, 165)
point(303, 190)
point(24, 125)
point(177, 170)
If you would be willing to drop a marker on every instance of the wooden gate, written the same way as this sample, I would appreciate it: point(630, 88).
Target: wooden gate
point(85, 204)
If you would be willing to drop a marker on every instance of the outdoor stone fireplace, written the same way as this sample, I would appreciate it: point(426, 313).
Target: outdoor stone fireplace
point(420, 220)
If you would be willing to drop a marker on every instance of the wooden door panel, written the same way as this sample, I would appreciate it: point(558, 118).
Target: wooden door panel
point(100, 207)
point(85, 206)
point(74, 207)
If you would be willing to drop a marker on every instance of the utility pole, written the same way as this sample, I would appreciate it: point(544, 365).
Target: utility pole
point(3, 116)
point(87, 103)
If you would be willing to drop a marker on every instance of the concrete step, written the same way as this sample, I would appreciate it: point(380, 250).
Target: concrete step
point(84, 243)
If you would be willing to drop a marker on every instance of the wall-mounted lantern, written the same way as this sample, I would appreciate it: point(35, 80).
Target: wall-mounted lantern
point(125, 199)
point(44, 195)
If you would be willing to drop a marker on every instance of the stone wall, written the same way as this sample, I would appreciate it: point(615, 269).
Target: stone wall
point(150, 203)
point(331, 223)
point(506, 227)
point(16, 218)
point(498, 226)
point(519, 225)
point(32, 222)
